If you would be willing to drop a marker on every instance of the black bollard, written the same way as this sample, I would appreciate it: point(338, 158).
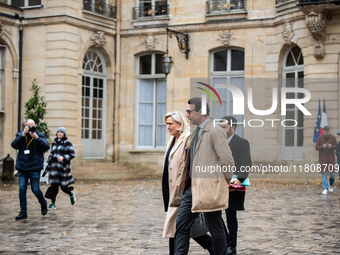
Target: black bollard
point(7, 168)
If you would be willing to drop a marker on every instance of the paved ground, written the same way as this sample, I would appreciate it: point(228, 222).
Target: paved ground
point(126, 217)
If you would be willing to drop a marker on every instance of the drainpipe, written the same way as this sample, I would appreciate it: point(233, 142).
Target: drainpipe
point(117, 87)
point(21, 32)
point(16, 16)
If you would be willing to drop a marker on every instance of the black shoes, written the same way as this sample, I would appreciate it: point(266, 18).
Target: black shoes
point(21, 216)
point(231, 250)
point(44, 208)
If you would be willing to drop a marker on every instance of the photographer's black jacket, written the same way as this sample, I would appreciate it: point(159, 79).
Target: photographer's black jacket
point(34, 161)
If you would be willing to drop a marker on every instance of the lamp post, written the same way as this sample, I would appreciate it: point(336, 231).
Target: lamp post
point(167, 61)
point(183, 45)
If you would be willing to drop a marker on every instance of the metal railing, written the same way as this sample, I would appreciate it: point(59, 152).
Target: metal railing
point(21, 3)
point(150, 11)
point(222, 6)
point(100, 8)
point(282, 1)
point(319, 1)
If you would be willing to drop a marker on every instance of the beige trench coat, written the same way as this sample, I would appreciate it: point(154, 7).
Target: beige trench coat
point(177, 157)
point(209, 190)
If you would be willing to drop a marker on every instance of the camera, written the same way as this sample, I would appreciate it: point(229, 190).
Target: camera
point(32, 129)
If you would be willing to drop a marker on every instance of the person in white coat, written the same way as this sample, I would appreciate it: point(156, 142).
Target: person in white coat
point(174, 158)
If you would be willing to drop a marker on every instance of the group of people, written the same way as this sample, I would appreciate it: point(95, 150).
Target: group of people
point(187, 191)
point(326, 145)
point(31, 146)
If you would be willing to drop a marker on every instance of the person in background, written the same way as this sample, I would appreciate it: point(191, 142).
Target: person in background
point(200, 191)
point(241, 153)
point(31, 146)
point(326, 144)
point(60, 174)
point(174, 158)
point(337, 152)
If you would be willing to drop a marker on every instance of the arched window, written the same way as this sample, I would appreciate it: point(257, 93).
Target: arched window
point(151, 102)
point(227, 67)
point(93, 104)
point(293, 78)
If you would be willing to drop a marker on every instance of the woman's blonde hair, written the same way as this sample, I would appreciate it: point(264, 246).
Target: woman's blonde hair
point(179, 118)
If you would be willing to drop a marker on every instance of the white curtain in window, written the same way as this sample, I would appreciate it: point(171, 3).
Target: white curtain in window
point(146, 98)
point(161, 111)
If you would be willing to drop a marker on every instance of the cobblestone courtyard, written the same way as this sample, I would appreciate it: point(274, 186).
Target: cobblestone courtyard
point(124, 217)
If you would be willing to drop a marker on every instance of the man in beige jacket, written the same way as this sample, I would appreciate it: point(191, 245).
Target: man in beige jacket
point(204, 178)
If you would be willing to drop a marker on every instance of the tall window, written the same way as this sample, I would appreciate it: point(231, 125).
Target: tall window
point(93, 105)
point(151, 98)
point(293, 78)
point(227, 67)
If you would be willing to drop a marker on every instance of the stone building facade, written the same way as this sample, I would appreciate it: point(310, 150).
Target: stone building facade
point(99, 65)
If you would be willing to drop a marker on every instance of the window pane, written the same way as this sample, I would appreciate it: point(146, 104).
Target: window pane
point(145, 135)
point(300, 138)
point(158, 63)
point(220, 61)
point(161, 134)
point(161, 7)
point(289, 134)
point(161, 91)
point(146, 91)
point(300, 119)
point(94, 134)
point(145, 113)
point(237, 60)
point(145, 64)
point(34, 2)
point(290, 60)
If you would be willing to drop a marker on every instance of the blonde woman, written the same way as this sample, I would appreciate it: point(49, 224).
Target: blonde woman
point(177, 147)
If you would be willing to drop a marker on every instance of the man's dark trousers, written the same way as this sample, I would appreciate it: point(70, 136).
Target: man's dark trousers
point(186, 218)
point(232, 227)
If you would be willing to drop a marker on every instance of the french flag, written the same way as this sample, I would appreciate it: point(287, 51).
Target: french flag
point(317, 125)
point(324, 121)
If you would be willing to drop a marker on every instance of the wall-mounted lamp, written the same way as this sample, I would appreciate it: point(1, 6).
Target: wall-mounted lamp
point(183, 45)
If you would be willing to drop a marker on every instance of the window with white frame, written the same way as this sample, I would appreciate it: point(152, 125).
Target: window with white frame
point(151, 8)
point(24, 3)
point(151, 102)
point(224, 6)
point(227, 67)
point(293, 77)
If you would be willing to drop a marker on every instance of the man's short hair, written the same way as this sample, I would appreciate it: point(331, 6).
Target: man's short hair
point(326, 128)
point(232, 121)
point(197, 101)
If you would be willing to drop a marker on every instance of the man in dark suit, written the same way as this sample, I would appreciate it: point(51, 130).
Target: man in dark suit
point(241, 152)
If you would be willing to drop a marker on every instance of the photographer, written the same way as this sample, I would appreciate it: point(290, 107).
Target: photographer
point(31, 146)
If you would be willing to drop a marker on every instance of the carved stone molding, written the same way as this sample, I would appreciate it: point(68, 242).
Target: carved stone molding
point(150, 42)
point(288, 32)
point(225, 38)
point(99, 39)
point(316, 23)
